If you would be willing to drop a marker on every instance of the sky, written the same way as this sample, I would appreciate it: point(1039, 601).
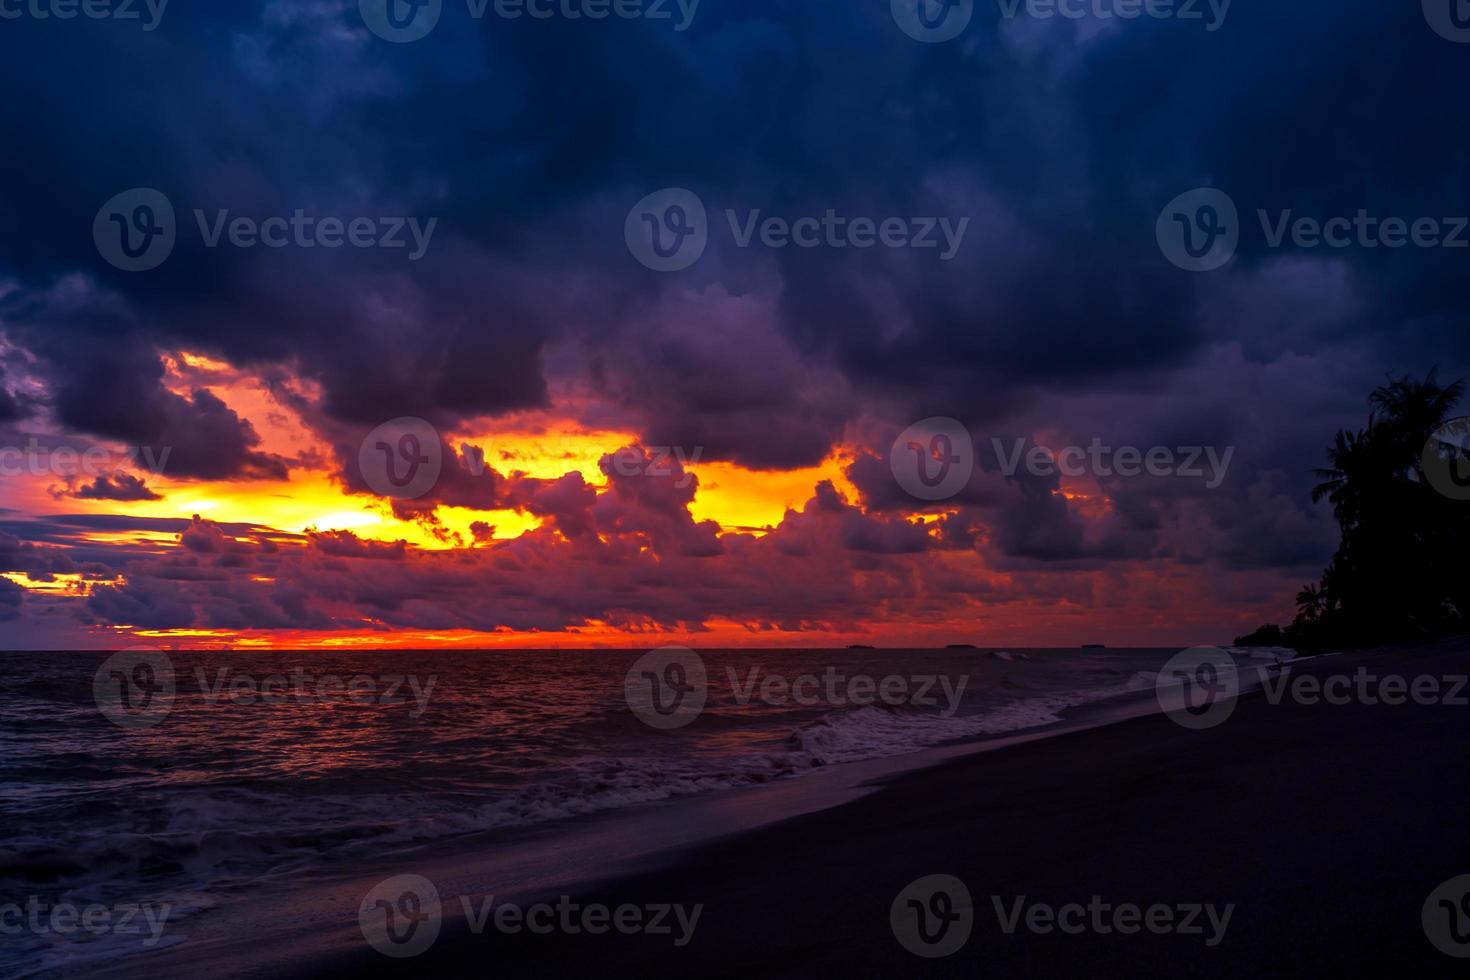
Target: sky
point(260, 260)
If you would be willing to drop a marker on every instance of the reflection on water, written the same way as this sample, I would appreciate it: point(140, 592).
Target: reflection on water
point(272, 762)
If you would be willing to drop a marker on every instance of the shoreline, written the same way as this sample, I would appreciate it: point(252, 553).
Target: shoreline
point(1321, 825)
point(529, 862)
point(309, 928)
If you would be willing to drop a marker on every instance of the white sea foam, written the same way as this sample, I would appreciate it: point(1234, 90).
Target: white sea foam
point(225, 815)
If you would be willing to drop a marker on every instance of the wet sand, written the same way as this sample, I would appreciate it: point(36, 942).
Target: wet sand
point(1325, 826)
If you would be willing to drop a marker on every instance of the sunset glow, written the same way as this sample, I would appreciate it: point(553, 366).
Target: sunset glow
point(552, 490)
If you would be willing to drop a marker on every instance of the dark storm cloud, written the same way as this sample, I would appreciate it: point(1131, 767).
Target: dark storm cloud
point(529, 141)
point(11, 598)
point(10, 409)
point(119, 486)
point(100, 391)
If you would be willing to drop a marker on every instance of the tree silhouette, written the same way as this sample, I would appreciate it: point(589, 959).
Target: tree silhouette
point(1309, 603)
point(1399, 570)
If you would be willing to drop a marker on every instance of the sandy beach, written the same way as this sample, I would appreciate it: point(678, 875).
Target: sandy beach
point(1325, 826)
point(654, 488)
point(1292, 839)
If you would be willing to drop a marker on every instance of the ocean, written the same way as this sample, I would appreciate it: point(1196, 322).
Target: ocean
point(114, 788)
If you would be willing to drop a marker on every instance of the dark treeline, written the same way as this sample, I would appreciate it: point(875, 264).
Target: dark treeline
point(1400, 489)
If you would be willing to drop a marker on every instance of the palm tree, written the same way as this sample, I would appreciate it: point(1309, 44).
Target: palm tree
point(1412, 410)
point(1397, 568)
point(1354, 463)
point(1309, 602)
